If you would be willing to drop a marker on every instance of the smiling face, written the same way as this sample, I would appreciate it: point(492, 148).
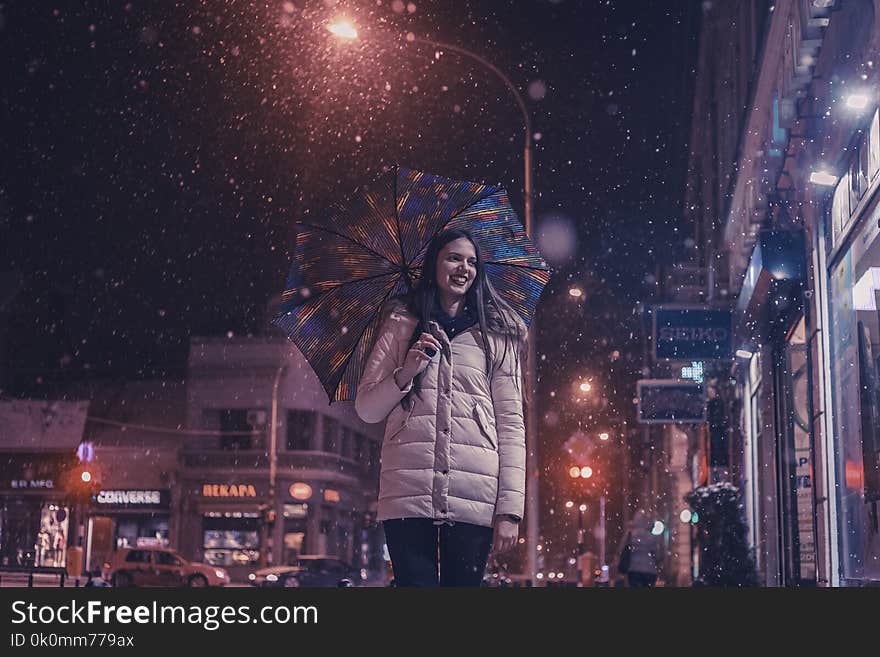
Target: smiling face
point(456, 268)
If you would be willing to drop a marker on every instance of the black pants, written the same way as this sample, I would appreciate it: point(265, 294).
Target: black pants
point(417, 547)
point(641, 580)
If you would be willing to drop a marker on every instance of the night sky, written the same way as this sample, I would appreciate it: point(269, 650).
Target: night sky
point(156, 157)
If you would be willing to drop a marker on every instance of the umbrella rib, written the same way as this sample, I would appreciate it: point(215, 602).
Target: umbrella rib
point(358, 341)
point(493, 189)
point(511, 264)
point(489, 191)
point(399, 230)
point(356, 280)
point(346, 237)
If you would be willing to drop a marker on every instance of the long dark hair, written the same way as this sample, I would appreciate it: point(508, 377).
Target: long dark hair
point(493, 313)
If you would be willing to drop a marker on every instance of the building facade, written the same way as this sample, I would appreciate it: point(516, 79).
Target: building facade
point(787, 230)
point(130, 445)
point(240, 508)
point(39, 517)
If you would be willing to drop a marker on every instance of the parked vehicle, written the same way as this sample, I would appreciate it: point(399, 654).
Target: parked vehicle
point(153, 566)
point(308, 571)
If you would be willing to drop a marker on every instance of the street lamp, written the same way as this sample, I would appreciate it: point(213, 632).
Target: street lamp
point(266, 548)
point(346, 30)
point(823, 177)
point(343, 29)
point(857, 101)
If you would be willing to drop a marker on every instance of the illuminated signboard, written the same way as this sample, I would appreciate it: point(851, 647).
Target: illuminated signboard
point(671, 401)
point(229, 490)
point(300, 491)
point(133, 498)
point(684, 333)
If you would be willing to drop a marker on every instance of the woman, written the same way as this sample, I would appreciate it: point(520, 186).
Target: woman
point(445, 374)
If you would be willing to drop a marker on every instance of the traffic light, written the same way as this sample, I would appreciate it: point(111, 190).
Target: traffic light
point(582, 472)
point(82, 483)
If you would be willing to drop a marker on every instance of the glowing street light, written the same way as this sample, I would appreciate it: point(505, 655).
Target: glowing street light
point(586, 472)
point(344, 30)
point(857, 101)
point(823, 177)
point(585, 387)
point(576, 292)
point(604, 435)
point(574, 472)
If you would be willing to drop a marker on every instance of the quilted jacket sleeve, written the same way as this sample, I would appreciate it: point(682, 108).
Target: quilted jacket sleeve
point(507, 400)
point(377, 392)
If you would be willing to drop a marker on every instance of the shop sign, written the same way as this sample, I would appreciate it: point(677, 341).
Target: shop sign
point(300, 491)
point(777, 260)
point(691, 333)
point(32, 483)
point(229, 490)
point(34, 471)
point(132, 498)
point(296, 510)
point(670, 401)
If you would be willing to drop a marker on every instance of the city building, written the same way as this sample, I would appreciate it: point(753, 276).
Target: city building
point(130, 445)
point(38, 509)
point(241, 509)
point(781, 191)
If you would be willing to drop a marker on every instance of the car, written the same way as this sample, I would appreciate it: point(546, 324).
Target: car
point(155, 566)
point(312, 570)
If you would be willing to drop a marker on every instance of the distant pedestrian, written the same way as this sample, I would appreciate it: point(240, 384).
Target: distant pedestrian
point(640, 552)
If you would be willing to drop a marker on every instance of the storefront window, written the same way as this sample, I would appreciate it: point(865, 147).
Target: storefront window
point(300, 430)
point(752, 421)
point(331, 435)
point(855, 345)
point(798, 459)
point(231, 541)
point(142, 531)
point(51, 545)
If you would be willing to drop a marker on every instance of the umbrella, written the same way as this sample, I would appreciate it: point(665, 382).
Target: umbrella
point(371, 247)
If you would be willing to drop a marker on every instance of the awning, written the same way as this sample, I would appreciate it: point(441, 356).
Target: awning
point(771, 292)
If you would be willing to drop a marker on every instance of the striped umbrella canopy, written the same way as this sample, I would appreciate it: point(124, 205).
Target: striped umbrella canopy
point(370, 248)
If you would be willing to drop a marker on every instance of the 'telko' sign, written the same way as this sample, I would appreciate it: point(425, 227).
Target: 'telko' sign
point(692, 333)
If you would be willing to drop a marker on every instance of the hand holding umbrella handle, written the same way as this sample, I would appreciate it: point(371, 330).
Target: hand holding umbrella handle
point(417, 359)
point(429, 343)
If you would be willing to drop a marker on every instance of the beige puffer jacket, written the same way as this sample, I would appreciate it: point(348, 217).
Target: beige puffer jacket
point(459, 453)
